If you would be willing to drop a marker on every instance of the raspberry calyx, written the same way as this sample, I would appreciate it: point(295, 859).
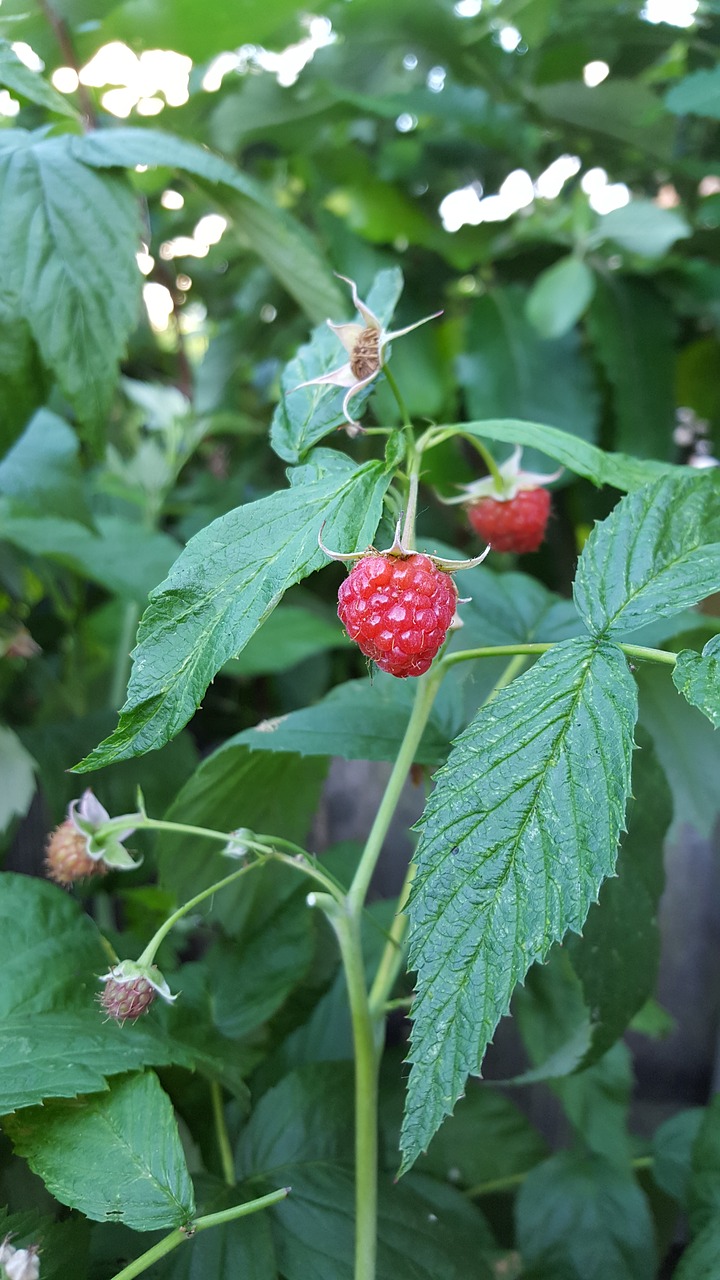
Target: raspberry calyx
point(130, 988)
point(509, 508)
point(398, 610)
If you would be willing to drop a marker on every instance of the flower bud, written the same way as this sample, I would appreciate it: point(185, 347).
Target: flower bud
point(67, 858)
point(130, 989)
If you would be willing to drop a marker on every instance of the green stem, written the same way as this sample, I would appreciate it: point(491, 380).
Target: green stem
point(489, 461)
point(221, 1133)
point(151, 949)
point(393, 953)
point(640, 652)
point(427, 687)
point(367, 1059)
point(262, 845)
point(512, 1180)
point(183, 1234)
point(392, 383)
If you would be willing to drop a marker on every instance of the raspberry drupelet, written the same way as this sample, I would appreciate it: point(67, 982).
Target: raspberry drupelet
point(516, 524)
point(398, 610)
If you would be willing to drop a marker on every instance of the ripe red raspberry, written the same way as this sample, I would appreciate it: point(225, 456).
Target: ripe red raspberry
point(66, 856)
point(516, 524)
point(398, 610)
point(122, 1000)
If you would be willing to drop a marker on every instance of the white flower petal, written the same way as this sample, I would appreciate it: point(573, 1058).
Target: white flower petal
point(342, 377)
point(347, 333)
point(371, 320)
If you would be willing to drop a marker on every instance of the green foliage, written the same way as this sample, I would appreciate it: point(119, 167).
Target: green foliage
point(304, 417)
point(130, 1130)
point(560, 296)
point(617, 956)
point(222, 588)
point(579, 1218)
point(54, 1044)
point(17, 777)
point(588, 338)
point(478, 922)
point(57, 211)
point(697, 676)
point(658, 553)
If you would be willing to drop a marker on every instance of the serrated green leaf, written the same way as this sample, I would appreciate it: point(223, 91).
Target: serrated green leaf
point(577, 455)
point(271, 794)
point(579, 1217)
point(643, 227)
point(120, 554)
point(303, 417)
point(658, 552)
point(14, 75)
point(687, 747)
point(290, 635)
point(17, 778)
point(511, 372)
point(55, 1042)
point(55, 214)
point(284, 244)
point(41, 473)
point(672, 1150)
point(486, 1140)
point(517, 837)
point(360, 720)
point(555, 1025)
point(115, 1156)
point(222, 587)
point(617, 956)
point(301, 1134)
point(703, 1195)
point(697, 676)
point(697, 94)
point(632, 327)
point(560, 297)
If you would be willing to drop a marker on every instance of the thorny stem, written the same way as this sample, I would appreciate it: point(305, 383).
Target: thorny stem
point(163, 1247)
point(221, 1134)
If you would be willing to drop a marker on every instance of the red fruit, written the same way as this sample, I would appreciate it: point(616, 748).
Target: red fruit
point(66, 856)
point(398, 610)
point(123, 1000)
point(516, 524)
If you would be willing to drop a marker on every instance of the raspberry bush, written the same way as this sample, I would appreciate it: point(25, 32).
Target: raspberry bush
point(274, 524)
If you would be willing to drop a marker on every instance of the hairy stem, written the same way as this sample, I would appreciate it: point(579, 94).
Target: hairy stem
point(183, 1234)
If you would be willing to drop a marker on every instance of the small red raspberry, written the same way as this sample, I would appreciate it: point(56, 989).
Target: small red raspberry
point(122, 1000)
point(517, 524)
point(66, 856)
point(398, 610)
